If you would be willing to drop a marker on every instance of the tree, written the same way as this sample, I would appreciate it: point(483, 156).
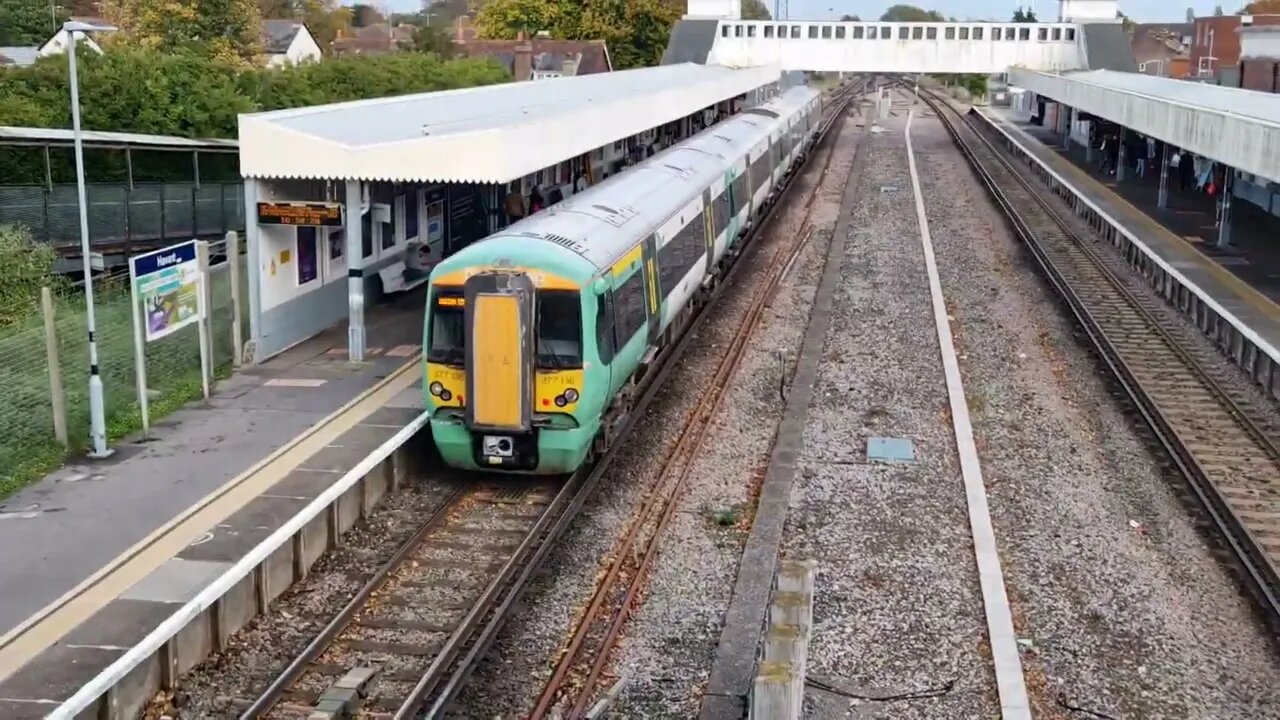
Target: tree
point(755, 10)
point(363, 15)
point(29, 22)
point(433, 39)
point(1024, 16)
point(28, 265)
point(910, 13)
point(504, 19)
point(227, 30)
point(1217, 11)
point(850, 18)
point(1261, 7)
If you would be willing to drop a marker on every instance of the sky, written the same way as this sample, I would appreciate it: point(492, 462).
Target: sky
point(1139, 10)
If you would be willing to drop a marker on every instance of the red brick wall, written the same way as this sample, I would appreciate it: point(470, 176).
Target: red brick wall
point(1258, 74)
point(1226, 41)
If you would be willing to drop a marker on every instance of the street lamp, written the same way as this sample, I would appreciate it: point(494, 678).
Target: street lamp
point(97, 414)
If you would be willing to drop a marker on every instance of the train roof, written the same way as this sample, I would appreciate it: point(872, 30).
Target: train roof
point(600, 223)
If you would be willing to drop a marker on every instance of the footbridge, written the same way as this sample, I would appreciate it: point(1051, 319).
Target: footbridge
point(713, 33)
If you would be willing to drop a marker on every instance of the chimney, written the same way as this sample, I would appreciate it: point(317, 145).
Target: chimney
point(523, 64)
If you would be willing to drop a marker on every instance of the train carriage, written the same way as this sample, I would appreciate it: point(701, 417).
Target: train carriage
point(536, 337)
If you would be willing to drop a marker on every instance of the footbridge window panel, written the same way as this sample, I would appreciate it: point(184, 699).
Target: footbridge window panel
point(1042, 34)
point(826, 32)
point(1057, 34)
point(977, 33)
point(840, 33)
point(931, 33)
point(949, 33)
point(813, 32)
point(964, 33)
point(1024, 34)
point(886, 32)
point(751, 31)
point(795, 32)
point(1071, 34)
point(858, 32)
point(768, 31)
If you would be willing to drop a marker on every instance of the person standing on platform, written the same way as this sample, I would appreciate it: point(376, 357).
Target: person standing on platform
point(1140, 158)
point(514, 205)
point(535, 201)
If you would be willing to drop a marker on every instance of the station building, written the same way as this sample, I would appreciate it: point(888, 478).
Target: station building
point(349, 203)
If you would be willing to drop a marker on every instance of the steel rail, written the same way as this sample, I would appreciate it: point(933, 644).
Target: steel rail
point(1261, 573)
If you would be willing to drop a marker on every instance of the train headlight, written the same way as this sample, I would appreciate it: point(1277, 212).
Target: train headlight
point(445, 395)
point(436, 388)
point(570, 396)
point(560, 401)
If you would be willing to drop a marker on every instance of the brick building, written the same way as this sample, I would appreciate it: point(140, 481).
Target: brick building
point(1215, 42)
point(1260, 58)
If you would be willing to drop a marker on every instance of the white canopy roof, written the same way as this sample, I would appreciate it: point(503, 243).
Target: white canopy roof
point(1240, 128)
point(493, 134)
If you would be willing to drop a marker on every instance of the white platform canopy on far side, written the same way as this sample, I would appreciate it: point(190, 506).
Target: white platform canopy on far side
point(491, 134)
point(1239, 128)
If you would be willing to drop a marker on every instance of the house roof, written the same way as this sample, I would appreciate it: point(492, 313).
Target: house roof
point(374, 39)
point(592, 55)
point(278, 35)
point(20, 56)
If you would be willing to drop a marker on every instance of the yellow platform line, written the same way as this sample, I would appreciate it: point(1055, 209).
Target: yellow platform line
point(48, 625)
point(1185, 249)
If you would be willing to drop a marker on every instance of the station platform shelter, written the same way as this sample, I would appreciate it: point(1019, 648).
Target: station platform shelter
point(1231, 137)
point(349, 203)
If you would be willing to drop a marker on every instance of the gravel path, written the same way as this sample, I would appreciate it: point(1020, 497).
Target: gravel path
point(262, 649)
point(898, 608)
point(1120, 601)
point(670, 642)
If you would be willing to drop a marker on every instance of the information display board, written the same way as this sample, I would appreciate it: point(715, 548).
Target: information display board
point(315, 214)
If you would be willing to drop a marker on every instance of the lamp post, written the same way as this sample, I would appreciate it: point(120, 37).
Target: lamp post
point(97, 414)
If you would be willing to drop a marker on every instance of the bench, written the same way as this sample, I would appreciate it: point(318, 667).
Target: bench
point(397, 278)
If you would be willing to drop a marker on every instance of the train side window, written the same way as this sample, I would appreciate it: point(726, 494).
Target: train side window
point(604, 327)
point(741, 195)
point(629, 308)
point(679, 255)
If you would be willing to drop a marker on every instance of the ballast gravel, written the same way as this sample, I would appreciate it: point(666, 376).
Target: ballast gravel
point(668, 646)
point(225, 684)
point(897, 610)
point(1121, 605)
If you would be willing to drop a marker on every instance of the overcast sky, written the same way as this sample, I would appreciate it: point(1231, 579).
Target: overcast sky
point(1141, 10)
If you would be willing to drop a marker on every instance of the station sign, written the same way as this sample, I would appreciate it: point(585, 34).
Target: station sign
point(167, 283)
point(313, 214)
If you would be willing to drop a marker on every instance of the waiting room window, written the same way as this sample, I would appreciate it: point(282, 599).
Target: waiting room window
point(826, 32)
point(977, 33)
point(857, 32)
point(813, 32)
point(768, 31)
point(931, 33)
point(964, 33)
point(840, 33)
point(950, 33)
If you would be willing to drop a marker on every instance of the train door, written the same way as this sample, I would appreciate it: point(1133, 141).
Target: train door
point(653, 297)
point(709, 228)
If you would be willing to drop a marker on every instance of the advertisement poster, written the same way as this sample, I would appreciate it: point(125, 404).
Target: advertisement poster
point(167, 283)
point(308, 258)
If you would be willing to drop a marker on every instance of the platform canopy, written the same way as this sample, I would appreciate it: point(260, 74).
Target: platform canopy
point(1240, 128)
point(60, 137)
point(490, 134)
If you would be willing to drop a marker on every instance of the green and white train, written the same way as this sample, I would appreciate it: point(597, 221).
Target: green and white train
point(537, 337)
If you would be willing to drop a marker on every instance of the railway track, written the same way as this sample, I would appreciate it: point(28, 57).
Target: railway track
point(1227, 456)
point(582, 666)
point(405, 644)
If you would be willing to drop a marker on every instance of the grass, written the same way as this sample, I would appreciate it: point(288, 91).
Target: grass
point(28, 449)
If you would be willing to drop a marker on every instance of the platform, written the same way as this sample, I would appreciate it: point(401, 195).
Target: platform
point(275, 423)
point(1167, 234)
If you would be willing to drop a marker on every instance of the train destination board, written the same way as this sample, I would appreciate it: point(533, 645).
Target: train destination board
point(316, 214)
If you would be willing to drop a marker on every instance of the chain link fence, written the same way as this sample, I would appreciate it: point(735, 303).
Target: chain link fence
point(28, 442)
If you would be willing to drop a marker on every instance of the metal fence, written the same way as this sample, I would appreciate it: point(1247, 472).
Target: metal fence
point(32, 351)
point(149, 213)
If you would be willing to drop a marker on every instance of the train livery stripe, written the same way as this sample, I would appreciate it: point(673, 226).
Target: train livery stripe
point(624, 264)
point(542, 280)
point(653, 288)
point(496, 347)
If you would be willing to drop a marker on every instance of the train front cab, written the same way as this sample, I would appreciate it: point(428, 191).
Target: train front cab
point(506, 381)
